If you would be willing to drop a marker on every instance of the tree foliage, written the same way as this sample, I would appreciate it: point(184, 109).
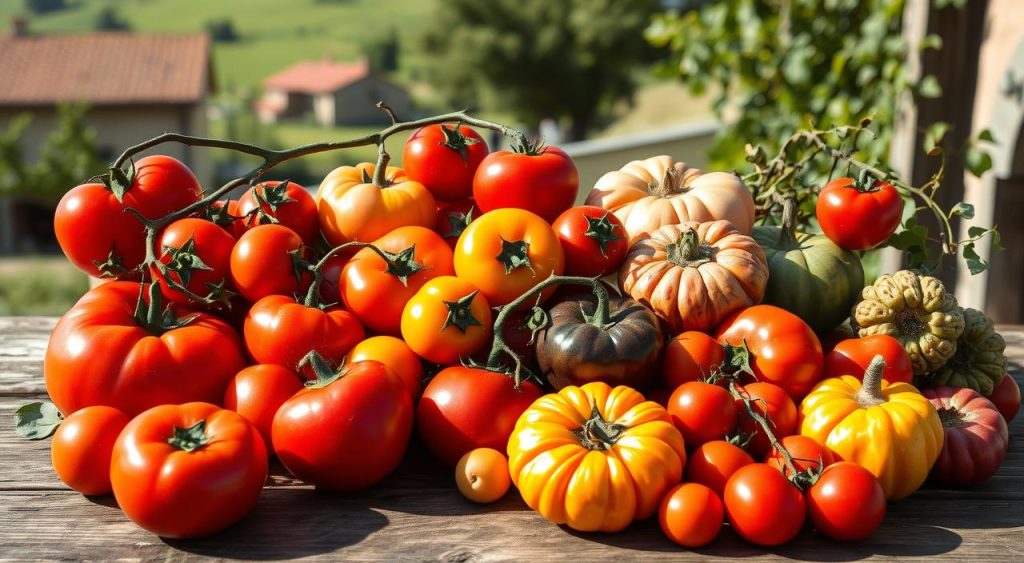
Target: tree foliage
point(382, 52)
point(66, 158)
point(570, 59)
point(781, 65)
point(109, 19)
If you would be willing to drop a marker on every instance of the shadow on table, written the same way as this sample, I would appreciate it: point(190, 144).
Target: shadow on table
point(289, 523)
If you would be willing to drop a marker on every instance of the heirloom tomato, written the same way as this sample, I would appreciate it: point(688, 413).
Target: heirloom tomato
point(691, 356)
point(100, 237)
point(82, 446)
point(1006, 397)
point(467, 408)
point(506, 252)
point(482, 475)
point(852, 356)
point(376, 289)
point(346, 431)
point(352, 207)
point(396, 354)
point(976, 437)
point(266, 261)
point(286, 203)
point(846, 503)
point(702, 412)
point(102, 353)
point(258, 391)
point(712, 463)
point(763, 506)
point(544, 182)
point(279, 330)
point(593, 241)
point(443, 157)
point(447, 319)
point(856, 216)
point(783, 349)
point(184, 471)
point(691, 514)
point(196, 254)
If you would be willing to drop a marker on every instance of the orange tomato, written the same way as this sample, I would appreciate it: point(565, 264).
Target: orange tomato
point(506, 252)
point(82, 445)
point(482, 475)
point(806, 452)
point(396, 354)
point(691, 356)
point(376, 293)
point(691, 514)
point(351, 207)
point(447, 319)
point(258, 391)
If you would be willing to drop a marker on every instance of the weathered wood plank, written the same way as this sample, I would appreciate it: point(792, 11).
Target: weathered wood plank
point(22, 347)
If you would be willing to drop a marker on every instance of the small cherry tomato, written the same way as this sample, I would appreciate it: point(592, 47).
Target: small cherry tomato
point(482, 475)
point(771, 402)
point(763, 506)
point(258, 391)
point(691, 514)
point(852, 356)
point(855, 216)
point(82, 446)
point(196, 254)
point(846, 503)
point(691, 356)
point(395, 354)
point(593, 240)
point(542, 181)
point(444, 157)
point(712, 463)
point(702, 412)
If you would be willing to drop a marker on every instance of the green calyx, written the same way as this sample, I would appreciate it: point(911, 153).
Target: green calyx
point(183, 261)
point(457, 222)
point(456, 141)
point(515, 254)
point(272, 196)
point(324, 372)
point(460, 315)
point(528, 147)
point(112, 267)
point(118, 181)
point(598, 434)
point(151, 315)
point(402, 264)
point(189, 439)
point(601, 231)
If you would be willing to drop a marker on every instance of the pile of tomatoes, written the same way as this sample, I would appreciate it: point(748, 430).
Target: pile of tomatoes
point(458, 298)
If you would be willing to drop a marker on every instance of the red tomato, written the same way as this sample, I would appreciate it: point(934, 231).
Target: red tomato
point(467, 408)
point(330, 284)
point(691, 356)
point(376, 292)
point(196, 254)
point(395, 354)
point(713, 463)
point(258, 391)
point(837, 335)
point(1006, 397)
point(702, 412)
point(184, 471)
point(783, 349)
point(806, 453)
point(771, 402)
point(453, 218)
point(852, 356)
point(846, 503)
point(691, 514)
point(288, 204)
point(93, 228)
point(444, 158)
point(82, 446)
point(345, 433)
point(544, 183)
point(280, 331)
point(763, 507)
point(858, 217)
point(264, 262)
point(101, 354)
point(594, 241)
point(976, 437)
point(225, 214)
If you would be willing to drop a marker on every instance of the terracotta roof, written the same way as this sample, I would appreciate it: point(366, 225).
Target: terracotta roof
point(318, 77)
point(104, 69)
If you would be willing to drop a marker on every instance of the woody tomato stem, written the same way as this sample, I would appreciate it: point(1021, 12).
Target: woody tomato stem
point(312, 298)
point(765, 425)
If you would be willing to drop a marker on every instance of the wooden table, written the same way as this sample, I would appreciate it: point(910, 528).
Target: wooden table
point(418, 514)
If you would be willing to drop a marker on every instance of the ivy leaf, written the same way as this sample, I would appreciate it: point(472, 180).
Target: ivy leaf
point(931, 41)
point(986, 136)
point(933, 137)
point(977, 161)
point(912, 236)
point(36, 421)
point(975, 263)
point(929, 87)
point(962, 209)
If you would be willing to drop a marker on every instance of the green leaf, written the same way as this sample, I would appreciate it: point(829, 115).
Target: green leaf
point(934, 135)
point(977, 161)
point(929, 87)
point(931, 41)
point(986, 136)
point(962, 209)
point(975, 263)
point(37, 421)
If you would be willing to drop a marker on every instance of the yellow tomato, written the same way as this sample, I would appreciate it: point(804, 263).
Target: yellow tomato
point(351, 207)
point(594, 457)
point(482, 475)
point(446, 320)
point(890, 429)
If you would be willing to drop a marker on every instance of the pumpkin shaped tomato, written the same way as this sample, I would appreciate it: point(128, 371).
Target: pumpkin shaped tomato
point(693, 275)
point(647, 194)
point(351, 207)
point(506, 252)
point(595, 458)
point(975, 437)
point(891, 430)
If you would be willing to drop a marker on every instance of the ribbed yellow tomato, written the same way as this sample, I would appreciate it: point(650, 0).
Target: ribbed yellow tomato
point(889, 429)
point(594, 457)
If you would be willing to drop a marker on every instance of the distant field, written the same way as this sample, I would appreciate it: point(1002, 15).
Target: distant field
point(47, 285)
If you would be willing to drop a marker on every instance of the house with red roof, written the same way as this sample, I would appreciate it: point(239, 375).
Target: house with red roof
point(335, 93)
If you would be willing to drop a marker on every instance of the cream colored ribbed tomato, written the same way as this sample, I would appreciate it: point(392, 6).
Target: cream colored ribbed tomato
point(647, 194)
point(693, 275)
point(595, 458)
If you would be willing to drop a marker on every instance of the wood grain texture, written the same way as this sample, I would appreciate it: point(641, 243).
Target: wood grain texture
point(417, 514)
